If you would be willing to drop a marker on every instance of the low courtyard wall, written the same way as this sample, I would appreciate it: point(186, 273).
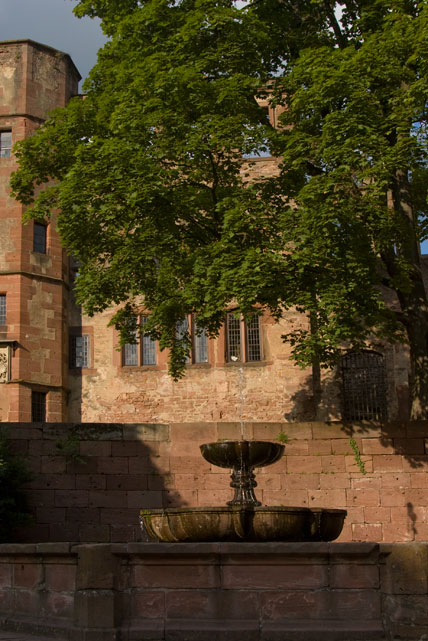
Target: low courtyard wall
point(90, 480)
point(212, 591)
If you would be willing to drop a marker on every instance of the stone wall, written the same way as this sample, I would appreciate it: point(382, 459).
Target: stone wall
point(91, 480)
point(208, 591)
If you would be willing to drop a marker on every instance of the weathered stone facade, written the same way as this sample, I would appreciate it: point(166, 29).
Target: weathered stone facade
point(34, 79)
point(41, 317)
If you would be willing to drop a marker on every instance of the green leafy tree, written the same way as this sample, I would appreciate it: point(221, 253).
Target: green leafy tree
point(156, 203)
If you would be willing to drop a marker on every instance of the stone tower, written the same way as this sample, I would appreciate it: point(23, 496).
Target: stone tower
point(34, 79)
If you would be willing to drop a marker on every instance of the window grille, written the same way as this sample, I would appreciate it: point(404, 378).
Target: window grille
point(5, 144)
point(364, 386)
point(2, 309)
point(130, 354)
point(79, 352)
point(143, 352)
point(253, 339)
point(38, 407)
point(233, 329)
point(148, 346)
point(39, 238)
point(200, 344)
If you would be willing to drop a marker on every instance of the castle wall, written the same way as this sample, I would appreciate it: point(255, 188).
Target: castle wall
point(91, 480)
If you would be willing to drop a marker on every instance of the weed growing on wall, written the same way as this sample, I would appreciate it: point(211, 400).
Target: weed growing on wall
point(13, 475)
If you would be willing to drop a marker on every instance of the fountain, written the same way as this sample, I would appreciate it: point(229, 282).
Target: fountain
point(243, 519)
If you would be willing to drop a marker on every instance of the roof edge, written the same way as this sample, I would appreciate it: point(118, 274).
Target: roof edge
point(40, 45)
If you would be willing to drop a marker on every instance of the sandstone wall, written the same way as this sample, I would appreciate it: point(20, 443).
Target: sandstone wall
point(91, 480)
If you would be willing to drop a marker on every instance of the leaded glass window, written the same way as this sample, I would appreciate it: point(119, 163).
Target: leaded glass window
point(5, 144)
point(79, 352)
point(2, 309)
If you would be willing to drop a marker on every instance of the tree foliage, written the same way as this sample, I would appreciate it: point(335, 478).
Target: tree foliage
point(156, 204)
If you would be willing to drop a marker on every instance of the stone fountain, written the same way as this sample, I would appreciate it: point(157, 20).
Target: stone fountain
point(243, 518)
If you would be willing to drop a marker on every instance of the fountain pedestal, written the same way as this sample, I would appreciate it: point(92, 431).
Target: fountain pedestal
point(243, 457)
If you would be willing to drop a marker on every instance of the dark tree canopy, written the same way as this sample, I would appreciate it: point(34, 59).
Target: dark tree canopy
point(154, 202)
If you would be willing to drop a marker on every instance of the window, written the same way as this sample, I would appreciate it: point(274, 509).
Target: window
point(5, 144)
point(2, 309)
point(243, 341)
point(364, 386)
point(38, 407)
point(79, 352)
point(143, 352)
point(39, 238)
point(199, 339)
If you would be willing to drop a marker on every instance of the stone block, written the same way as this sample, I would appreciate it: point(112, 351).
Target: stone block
point(294, 605)
point(365, 497)
point(27, 574)
point(175, 576)
point(147, 604)
point(95, 609)
point(354, 576)
point(289, 577)
point(405, 568)
point(60, 577)
point(97, 567)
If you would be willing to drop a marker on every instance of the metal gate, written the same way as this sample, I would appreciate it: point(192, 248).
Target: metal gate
point(364, 386)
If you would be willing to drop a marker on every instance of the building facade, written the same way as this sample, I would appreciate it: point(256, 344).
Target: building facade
point(56, 364)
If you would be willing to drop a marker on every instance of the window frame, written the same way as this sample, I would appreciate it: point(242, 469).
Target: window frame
point(36, 397)
point(6, 147)
point(139, 346)
point(244, 339)
point(3, 309)
point(73, 351)
point(36, 238)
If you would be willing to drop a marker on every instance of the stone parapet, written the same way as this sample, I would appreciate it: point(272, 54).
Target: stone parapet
point(210, 591)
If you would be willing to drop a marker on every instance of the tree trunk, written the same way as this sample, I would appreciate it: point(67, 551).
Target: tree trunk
point(413, 300)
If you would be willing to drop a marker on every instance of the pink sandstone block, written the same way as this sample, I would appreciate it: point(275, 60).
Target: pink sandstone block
point(311, 464)
point(60, 577)
point(397, 479)
point(354, 576)
point(393, 497)
point(388, 463)
point(327, 498)
point(60, 606)
point(175, 576)
point(27, 574)
point(147, 605)
point(300, 481)
point(293, 604)
point(335, 481)
point(287, 577)
point(365, 497)
point(367, 532)
point(377, 446)
point(333, 464)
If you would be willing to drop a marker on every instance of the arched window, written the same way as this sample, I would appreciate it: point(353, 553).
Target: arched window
point(364, 386)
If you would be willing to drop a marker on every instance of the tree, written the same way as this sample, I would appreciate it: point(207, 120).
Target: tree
point(155, 202)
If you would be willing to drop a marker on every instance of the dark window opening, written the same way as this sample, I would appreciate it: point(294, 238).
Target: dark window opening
point(2, 309)
point(5, 144)
point(364, 386)
point(79, 352)
point(38, 407)
point(39, 238)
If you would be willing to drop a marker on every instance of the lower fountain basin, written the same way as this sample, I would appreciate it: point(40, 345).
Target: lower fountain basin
point(237, 523)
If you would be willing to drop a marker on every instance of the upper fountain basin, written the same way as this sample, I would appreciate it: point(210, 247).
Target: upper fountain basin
point(236, 454)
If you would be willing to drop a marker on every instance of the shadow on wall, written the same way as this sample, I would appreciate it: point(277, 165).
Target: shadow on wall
point(89, 481)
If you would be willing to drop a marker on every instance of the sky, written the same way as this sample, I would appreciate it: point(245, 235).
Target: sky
point(53, 23)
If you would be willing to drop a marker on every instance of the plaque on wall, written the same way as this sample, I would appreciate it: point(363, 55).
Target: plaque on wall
point(4, 363)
